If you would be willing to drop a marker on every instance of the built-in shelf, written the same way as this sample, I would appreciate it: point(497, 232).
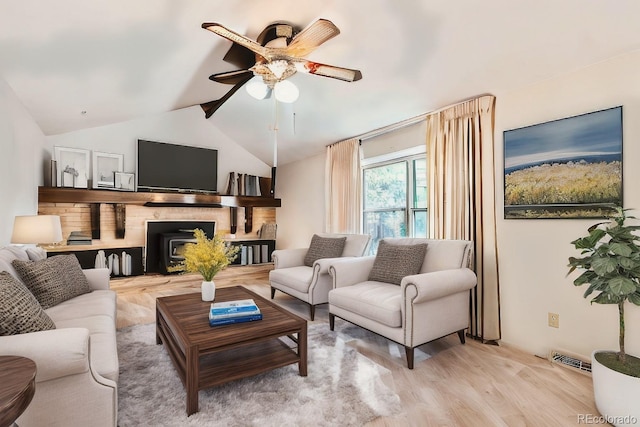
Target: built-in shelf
point(122, 198)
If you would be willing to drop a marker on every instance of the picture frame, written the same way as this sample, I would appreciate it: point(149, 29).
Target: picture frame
point(565, 169)
point(104, 167)
point(72, 167)
point(124, 181)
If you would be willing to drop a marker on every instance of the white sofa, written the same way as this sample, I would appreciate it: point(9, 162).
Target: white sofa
point(422, 307)
point(77, 363)
point(310, 284)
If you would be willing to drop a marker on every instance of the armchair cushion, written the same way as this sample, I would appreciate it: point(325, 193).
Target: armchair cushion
point(297, 278)
point(324, 247)
point(393, 262)
point(376, 301)
point(20, 312)
point(53, 280)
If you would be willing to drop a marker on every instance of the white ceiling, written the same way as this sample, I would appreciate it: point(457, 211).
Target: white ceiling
point(119, 60)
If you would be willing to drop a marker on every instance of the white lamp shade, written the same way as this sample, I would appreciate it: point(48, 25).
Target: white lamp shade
point(36, 229)
point(256, 88)
point(286, 91)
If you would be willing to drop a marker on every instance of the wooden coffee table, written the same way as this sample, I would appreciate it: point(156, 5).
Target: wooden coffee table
point(206, 356)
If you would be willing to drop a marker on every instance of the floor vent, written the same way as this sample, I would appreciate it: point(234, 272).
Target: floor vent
point(571, 361)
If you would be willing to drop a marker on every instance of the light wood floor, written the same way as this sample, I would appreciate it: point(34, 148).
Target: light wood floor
point(451, 385)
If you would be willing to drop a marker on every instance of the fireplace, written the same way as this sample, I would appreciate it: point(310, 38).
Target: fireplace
point(164, 240)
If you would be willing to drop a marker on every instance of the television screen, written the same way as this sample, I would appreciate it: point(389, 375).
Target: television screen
point(173, 167)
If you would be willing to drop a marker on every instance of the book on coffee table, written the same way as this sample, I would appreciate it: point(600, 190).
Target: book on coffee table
point(236, 319)
point(228, 312)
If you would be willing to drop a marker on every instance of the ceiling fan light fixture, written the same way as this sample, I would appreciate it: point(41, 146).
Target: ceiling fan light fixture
point(256, 88)
point(285, 91)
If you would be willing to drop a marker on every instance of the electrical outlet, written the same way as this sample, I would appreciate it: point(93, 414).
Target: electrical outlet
point(554, 320)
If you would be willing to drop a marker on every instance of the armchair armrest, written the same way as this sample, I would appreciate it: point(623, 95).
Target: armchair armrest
point(349, 271)
point(98, 278)
point(322, 265)
point(431, 286)
point(57, 352)
point(285, 258)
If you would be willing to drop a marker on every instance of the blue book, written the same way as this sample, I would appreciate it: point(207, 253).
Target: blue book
point(233, 308)
point(232, 320)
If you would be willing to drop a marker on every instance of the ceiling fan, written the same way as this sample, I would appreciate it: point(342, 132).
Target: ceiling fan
point(277, 53)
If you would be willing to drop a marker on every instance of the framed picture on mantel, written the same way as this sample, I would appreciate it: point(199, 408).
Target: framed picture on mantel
point(104, 167)
point(73, 167)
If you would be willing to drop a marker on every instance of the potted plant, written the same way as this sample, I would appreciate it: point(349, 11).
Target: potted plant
point(610, 265)
point(207, 257)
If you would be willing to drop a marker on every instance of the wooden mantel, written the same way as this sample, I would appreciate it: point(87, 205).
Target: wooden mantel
point(119, 199)
point(80, 195)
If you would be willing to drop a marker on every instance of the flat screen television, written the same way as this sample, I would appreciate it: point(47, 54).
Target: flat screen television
point(161, 166)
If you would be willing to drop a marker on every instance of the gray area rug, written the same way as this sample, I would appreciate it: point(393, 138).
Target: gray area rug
point(343, 388)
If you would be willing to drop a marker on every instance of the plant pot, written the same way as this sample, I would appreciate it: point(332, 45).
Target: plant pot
point(616, 394)
point(208, 290)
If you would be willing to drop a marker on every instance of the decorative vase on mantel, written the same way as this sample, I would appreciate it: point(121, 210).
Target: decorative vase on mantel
point(208, 290)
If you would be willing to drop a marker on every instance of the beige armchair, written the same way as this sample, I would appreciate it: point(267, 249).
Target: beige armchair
point(422, 307)
point(311, 283)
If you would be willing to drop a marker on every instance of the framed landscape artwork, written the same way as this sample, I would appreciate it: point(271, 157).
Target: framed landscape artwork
point(567, 168)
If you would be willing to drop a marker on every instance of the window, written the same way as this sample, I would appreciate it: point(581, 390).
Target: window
point(395, 199)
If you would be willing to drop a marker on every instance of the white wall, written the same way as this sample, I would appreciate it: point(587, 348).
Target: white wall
point(21, 170)
point(187, 127)
point(533, 254)
point(300, 185)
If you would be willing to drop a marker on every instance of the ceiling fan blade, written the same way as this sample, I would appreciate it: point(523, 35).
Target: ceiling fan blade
point(345, 74)
point(240, 56)
point(307, 40)
point(231, 77)
point(210, 107)
point(235, 37)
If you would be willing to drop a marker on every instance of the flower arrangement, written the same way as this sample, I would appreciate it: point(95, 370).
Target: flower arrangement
point(207, 256)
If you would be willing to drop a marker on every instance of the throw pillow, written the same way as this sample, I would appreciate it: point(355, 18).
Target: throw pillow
point(53, 280)
point(20, 312)
point(324, 247)
point(393, 262)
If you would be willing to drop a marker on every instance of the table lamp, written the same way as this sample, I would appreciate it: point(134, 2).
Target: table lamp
point(37, 229)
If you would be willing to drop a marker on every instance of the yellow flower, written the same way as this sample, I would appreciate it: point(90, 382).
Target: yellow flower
point(208, 256)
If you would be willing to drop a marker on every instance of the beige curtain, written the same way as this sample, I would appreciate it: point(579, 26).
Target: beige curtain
point(343, 187)
point(461, 183)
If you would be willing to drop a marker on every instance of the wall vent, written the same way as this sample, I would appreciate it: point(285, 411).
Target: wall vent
point(574, 362)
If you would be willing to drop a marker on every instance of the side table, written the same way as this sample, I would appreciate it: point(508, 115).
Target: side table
point(17, 386)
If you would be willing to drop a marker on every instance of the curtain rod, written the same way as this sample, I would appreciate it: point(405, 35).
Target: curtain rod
point(407, 122)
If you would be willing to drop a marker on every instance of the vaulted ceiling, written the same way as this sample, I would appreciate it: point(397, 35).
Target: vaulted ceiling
point(76, 64)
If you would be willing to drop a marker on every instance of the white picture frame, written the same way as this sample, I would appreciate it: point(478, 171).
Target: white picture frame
point(124, 181)
point(73, 166)
point(104, 167)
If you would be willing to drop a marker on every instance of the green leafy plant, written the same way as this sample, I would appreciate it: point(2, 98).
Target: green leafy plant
point(206, 256)
point(611, 268)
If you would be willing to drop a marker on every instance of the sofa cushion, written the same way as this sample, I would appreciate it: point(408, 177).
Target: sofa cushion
point(101, 302)
point(298, 278)
point(53, 280)
point(102, 341)
point(20, 312)
point(36, 253)
point(377, 301)
point(324, 247)
point(7, 255)
point(393, 262)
